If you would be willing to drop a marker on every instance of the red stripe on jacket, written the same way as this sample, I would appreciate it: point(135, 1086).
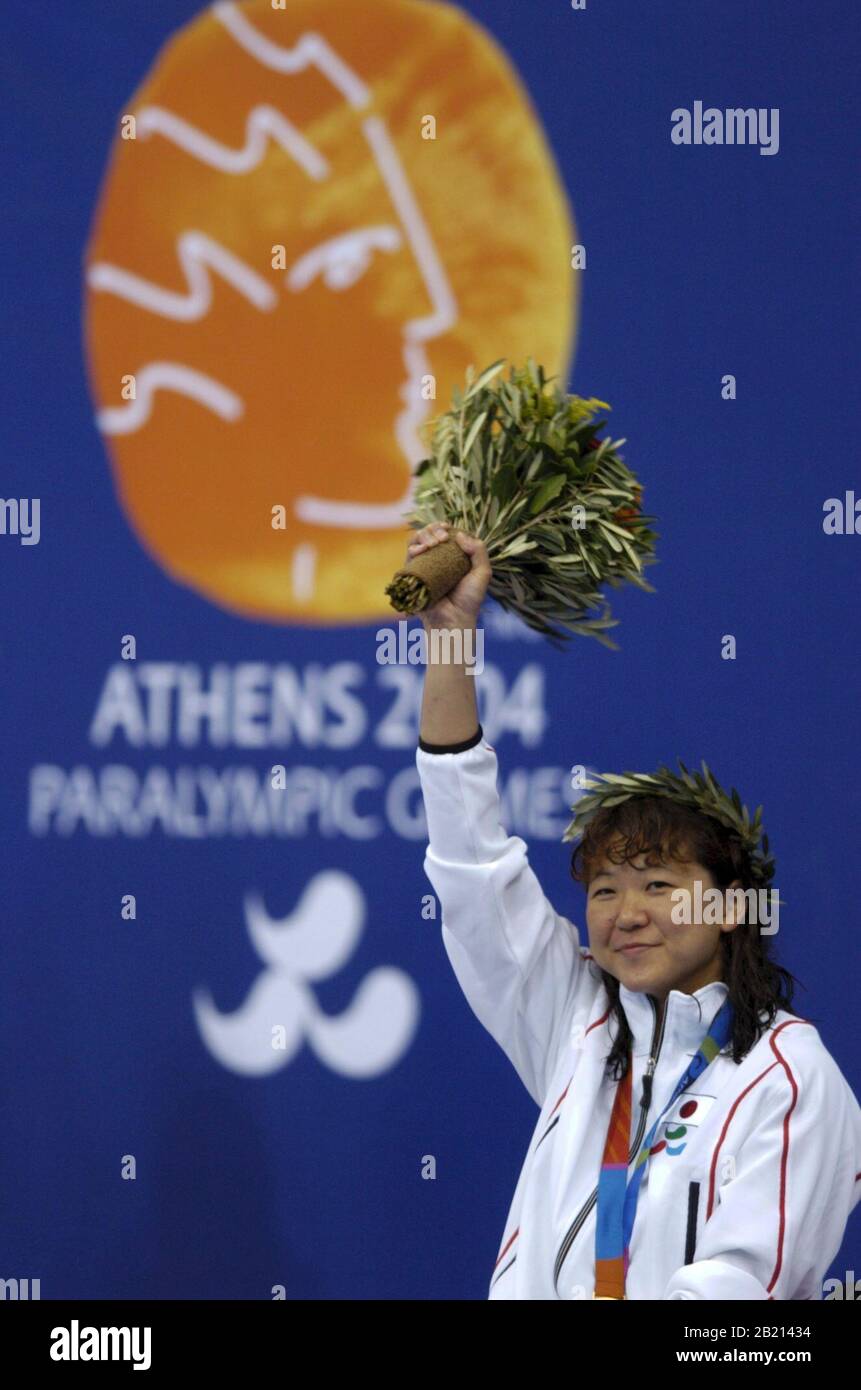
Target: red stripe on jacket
point(784, 1157)
point(505, 1247)
point(596, 1024)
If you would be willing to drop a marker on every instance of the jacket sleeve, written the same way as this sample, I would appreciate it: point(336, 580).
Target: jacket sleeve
point(775, 1226)
point(517, 961)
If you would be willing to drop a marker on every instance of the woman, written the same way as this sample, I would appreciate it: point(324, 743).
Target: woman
point(696, 1139)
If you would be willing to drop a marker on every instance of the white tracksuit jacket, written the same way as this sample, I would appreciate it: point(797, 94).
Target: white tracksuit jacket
point(759, 1165)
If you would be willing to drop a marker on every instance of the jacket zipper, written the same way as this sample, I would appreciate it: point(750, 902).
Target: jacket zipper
point(645, 1101)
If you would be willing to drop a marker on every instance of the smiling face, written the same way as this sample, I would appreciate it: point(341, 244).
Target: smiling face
point(632, 935)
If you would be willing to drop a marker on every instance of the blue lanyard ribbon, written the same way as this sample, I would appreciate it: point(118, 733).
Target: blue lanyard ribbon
point(617, 1198)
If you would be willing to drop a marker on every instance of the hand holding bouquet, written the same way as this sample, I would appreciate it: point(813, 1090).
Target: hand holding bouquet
point(518, 465)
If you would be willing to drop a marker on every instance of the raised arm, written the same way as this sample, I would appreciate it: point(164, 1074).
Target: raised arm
point(517, 960)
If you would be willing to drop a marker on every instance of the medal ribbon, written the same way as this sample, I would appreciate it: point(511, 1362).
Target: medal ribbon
point(617, 1198)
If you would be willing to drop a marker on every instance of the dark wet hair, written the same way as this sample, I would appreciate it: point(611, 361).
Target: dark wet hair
point(662, 829)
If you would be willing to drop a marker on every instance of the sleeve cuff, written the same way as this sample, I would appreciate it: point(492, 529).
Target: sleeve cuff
point(714, 1279)
point(452, 747)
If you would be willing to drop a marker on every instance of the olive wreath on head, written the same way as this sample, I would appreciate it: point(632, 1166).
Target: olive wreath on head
point(697, 791)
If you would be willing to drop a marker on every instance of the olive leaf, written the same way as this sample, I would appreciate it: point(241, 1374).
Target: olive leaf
point(700, 791)
point(509, 462)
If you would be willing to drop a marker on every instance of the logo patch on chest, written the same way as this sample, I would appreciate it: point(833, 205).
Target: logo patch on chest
point(687, 1112)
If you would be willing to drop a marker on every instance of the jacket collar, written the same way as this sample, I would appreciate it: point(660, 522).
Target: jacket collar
point(687, 1017)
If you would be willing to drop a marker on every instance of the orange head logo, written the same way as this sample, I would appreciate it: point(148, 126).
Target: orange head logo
point(316, 215)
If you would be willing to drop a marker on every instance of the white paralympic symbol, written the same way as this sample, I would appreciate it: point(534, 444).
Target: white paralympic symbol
point(281, 1012)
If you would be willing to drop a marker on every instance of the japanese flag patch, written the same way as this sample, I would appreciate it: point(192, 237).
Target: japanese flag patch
point(686, 1113)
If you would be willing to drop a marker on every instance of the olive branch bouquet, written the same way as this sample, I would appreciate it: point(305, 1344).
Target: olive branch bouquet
point(518, 464)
